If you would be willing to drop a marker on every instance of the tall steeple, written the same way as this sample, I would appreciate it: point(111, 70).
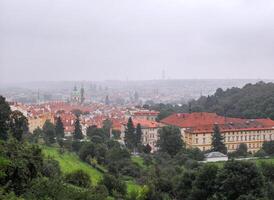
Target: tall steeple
point(82, 93)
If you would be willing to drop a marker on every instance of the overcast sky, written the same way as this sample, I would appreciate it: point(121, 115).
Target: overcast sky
point(135, 39)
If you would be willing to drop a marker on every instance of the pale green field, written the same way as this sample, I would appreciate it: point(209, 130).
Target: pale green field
point(70, 162)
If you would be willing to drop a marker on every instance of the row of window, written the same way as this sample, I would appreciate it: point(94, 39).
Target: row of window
point(240, 138)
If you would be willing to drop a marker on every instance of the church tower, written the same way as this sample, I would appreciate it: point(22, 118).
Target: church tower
point(82, 95)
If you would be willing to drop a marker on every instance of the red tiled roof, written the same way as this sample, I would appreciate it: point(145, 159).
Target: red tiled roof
point(146, 123)
point(185, 120)
point(204, 122)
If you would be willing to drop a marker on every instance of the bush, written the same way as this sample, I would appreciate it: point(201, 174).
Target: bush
point(51, 168)
point(114, 185)
point(78, 178)
point(87, 151)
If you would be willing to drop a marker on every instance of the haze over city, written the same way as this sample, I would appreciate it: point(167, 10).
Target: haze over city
point(135, 40)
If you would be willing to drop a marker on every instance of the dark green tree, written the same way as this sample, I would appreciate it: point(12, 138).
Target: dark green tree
point(268, 147)
point(170, 140)
point(107, 126)
point(49, 132)
point(114, 185)
point(217, 140)
point(138, 135)
point(239, 178)
point(18, 125)
point(78, 178)
point(204, 186)
point(77, 134)
point(59, 128)
point(130, 137)
point(4, 118)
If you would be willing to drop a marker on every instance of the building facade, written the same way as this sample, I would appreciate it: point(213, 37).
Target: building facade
point(197, 130)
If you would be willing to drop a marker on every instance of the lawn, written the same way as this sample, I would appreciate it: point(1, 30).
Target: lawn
point(70, 162)
point(138, 160)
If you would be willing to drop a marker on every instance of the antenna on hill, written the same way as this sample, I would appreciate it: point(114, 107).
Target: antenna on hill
point(163, 75)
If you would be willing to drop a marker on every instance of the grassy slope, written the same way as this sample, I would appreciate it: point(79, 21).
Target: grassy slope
point(70, 162)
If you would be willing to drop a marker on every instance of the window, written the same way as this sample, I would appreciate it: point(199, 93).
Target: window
point(204, 140)
point(197, 140)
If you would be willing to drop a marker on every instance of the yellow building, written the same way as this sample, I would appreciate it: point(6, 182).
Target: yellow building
point(39, 120)
point(197, 129)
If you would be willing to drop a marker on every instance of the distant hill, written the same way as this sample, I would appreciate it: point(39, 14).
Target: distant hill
point(251, 101)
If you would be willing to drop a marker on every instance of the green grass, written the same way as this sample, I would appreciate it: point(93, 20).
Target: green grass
point(138, 160)
point(132, 186)
point(70, 162)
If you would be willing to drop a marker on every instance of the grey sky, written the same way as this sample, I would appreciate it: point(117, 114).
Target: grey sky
point(135, 39)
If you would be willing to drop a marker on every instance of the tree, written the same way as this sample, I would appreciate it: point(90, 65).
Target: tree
point(138, 135)
point(147, 149)
point(107, 126)
point(78, 178)
point(59, 128)
point(242, 150)
point(130, 135)
point(170, 140)
point(37, 133)
point(205, 183)
point(217, 140)
point(4, 118)
point(51, 168)
point(18, 125)
point(25, 164)
point(114, 185)
point(239, 178)
point(49, 132)
point(87, 151)
point(77, 135)
point(268, 147)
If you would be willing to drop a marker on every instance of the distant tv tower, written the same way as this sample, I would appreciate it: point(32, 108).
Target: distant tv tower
point(163, 75)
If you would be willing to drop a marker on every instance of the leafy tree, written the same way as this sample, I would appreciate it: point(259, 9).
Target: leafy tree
point(77, 135)
point(25, 164)
point(37, 133)
point(114, 185)
point(241, 151)
point(252, 101)
point(78, 178)
point(116, 134)
point(170, 140)
point(18, 125)
point(268, 147)
point(87, 151)
point(130, 137)
point(59, 128)
point(49, 132)
point(239, 178)
point(268, 170)
point(51, 168)
point(107, 126)
point(204, 186)
point(138, 135)
point(183, 185)
point(147, 149)
point(4, 118)
point(217, 140)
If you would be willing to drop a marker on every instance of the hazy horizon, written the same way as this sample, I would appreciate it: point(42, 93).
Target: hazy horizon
point(66, 40)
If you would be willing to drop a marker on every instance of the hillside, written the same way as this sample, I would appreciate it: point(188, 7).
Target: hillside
point(70, 162)
point(251, 101)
